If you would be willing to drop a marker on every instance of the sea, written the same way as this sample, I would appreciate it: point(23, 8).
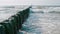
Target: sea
point(42, 22)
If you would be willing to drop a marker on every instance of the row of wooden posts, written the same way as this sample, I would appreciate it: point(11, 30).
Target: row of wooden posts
point(14, 23)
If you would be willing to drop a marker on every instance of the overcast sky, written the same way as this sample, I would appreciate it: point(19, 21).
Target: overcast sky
point(29, 2)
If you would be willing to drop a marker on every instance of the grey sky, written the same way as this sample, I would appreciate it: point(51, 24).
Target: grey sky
point(29, 2)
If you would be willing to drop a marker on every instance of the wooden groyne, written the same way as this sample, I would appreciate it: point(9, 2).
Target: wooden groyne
point(14, 22)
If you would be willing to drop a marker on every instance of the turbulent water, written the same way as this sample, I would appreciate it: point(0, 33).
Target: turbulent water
point(42, 23)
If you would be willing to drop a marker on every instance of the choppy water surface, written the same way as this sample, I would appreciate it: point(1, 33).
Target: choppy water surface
point(39, 23)
point(42, 23)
